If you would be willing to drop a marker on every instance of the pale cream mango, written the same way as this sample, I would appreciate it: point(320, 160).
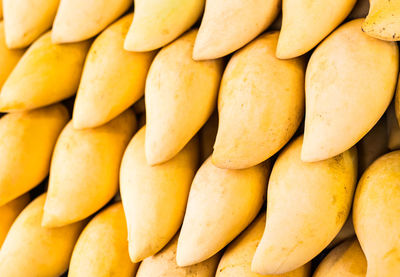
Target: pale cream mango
point(221, 204)
point(260, 104)
point(346, 260)
point(346, 232)
point(163, 264)
point(376, 211)
point(237, 258)
point(33, 250)
point(154, 197)
point(393, 129)
point(180, 96)
point(84, 169)
point(307, 205)
point(9, 212)
point(1, 9)
point(26, 20)
point(360, 9)
point(77, 20)
point(228, 25)
point(102, 249)
point(112, 80)
point(27, 141)
point(158, 22)
point(350, 81)
point(207, 135)
point(47, 73)
point(383, 20)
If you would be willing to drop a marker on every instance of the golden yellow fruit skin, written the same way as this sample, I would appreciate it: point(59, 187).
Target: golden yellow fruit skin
point(163, 264)
point(260, 104)
point(1, 9)
point(376, 211)
point(221, 204)
point(154, 197)
point(9, 212)
point(27, 141)
point(100, 97)
point(77, 20)
point(393, 128)
point(207, 136)
point(85, 168)
point(228, 25)
point(102, 249)
point(236, 260)
point(47, 73)
point(307, 205)
point(180, 97)
point(158, 22)
point(343, 77)
point(345, 233)
point(346, 260)
point(33, 250)
point(26, 20)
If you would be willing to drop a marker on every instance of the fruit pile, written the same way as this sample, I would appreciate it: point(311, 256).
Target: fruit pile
point(206, 138)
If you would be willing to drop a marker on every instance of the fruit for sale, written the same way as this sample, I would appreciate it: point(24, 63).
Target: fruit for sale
point(27, 141)
point(180, 97)
point(112, 80)
point(158, 22)
point(260, 104)
point(78, 20)
point(307, 205)
point(102, 249)
point(376, 211)
point(350, 80)
point(228, 25)
point(33, 250)
point(154, 197)
point(207, 136)
point(85, 168)
point(221, 204)
point(46, 73)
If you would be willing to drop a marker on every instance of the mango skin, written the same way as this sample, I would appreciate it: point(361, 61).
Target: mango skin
point(221, 204)
point(375, 208)
point(322, 193)
point(236, 260)
point(78, 20)
point(154, 197)
point(157, 23)
point(180, 96)
point(342, 78)
point(345, 233)
point(27, 141)
point(84, 170)
point(33, 250)
point(100, 98)
point(47, 73)
point(260, 104)
point(228, 25)
point(102, 249)
point(164, 264)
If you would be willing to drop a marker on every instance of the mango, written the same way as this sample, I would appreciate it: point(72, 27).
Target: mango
point(346, 232)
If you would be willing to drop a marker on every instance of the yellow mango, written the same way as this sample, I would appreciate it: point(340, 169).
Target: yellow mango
point(77, 20)
point(260, 104)
point(360, 9)
point(9, 212)
point(307, 205)
point(221, 204)
point(350, 80)
point(47, 73)
point(154, 197)
point(180, 97)
point(346, 260)
point(84, 169)
point(236, 260)
point(228, 25)
point(100, 97)
point(383, 20)
point(33, 250)
point(207, 136)
point(164, 264)
point(27, 141)
point(26, 20)
point(346, 232)
point(102, 249)
point(158, 22)
point(376, 210)
point(1, 9)
point(393, 129)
